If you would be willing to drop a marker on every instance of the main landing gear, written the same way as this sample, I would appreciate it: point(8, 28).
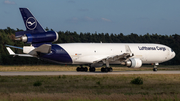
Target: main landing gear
point(93, 69)
point(85, 69)
point(81, 69)
point(106, 69)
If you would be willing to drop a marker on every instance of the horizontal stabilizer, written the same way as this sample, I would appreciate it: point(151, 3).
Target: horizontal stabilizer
point(12, 53)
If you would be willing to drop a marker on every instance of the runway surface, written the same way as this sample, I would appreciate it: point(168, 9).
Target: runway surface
point(84, 73)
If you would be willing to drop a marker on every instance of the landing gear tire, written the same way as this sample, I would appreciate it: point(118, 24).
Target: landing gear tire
point(154, 69)
point(92, 69)
point(78, 69)
point(85, 69)
point(110, 69)
point(104, 69)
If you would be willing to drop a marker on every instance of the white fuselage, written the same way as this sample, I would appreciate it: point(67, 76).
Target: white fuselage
point(87, 53)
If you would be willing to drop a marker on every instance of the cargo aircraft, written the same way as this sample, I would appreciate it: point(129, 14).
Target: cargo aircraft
point(93, 55)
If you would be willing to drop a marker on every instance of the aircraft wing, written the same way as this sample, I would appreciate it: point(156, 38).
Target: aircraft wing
point(122, 57)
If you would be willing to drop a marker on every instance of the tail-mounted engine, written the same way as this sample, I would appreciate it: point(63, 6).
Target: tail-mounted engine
point(35, 38)
point(133, 63)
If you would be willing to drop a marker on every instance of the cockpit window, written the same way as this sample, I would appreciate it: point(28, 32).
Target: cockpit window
point(172, 50)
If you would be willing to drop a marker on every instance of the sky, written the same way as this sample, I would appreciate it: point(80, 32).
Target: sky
point(100, 16)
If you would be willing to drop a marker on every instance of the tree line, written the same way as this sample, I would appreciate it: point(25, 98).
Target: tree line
point(7, 37)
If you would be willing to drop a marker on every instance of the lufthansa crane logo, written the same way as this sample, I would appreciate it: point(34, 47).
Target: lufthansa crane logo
point(31, 23)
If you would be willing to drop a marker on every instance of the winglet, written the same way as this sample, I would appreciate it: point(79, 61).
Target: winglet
point(10, 51)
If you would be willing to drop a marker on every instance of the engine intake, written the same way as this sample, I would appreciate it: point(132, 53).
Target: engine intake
point(133, 63)
point(34, 38)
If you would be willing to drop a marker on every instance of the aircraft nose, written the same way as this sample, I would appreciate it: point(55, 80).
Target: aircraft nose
point(173, 55)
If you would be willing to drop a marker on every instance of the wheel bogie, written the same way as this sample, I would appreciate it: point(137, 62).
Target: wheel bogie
point(106, 69)
point(81, 69)
point(92, 69)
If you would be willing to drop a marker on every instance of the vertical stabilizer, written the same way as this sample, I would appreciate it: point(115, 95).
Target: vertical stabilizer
point(32, 25)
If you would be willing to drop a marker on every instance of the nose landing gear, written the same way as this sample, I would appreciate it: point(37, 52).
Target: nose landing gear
point(155, 67)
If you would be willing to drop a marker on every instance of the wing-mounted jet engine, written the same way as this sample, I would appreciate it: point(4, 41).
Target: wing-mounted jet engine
point(133, 63)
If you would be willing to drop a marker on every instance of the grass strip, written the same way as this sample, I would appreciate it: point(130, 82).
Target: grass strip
point(90, 87)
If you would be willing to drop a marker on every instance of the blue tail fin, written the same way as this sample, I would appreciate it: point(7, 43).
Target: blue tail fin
point(32, 25)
